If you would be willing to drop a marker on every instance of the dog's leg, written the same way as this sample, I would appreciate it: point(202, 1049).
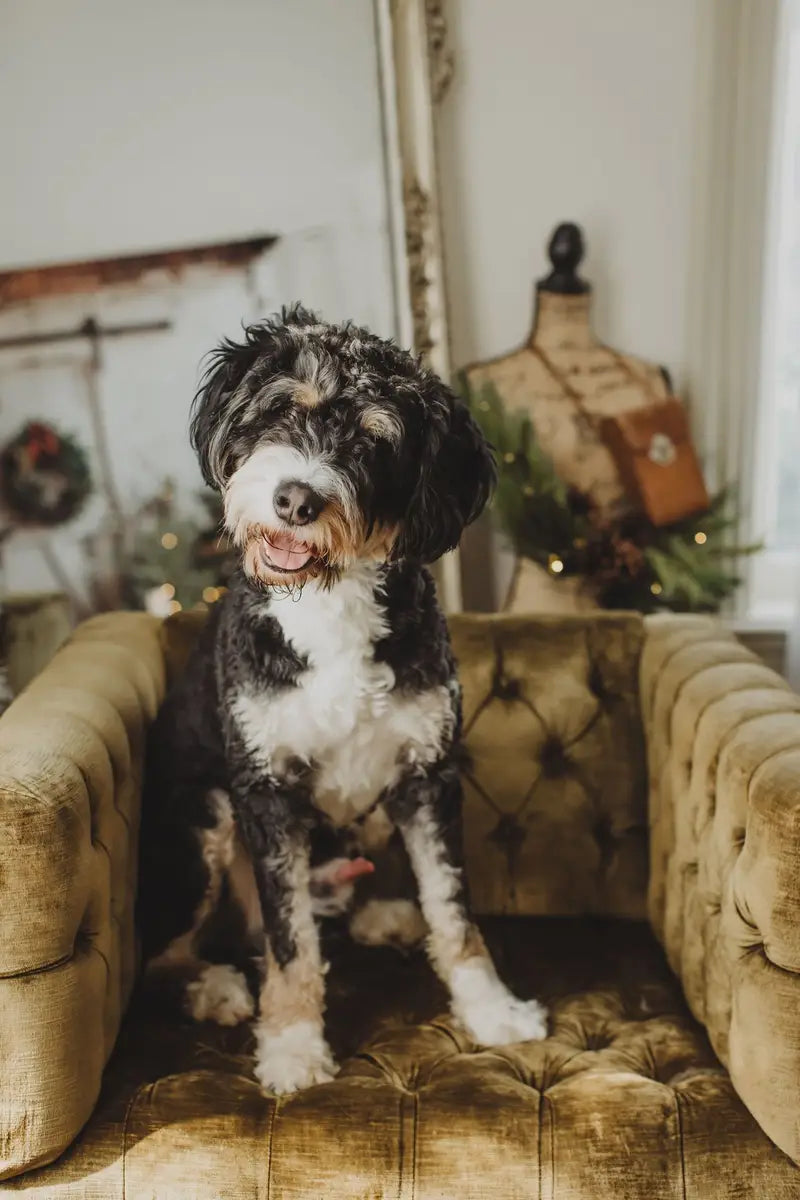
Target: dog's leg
point(291, 1051)
point(387, 916)
point(211, 991)
point(428, 813)
point(382, 922)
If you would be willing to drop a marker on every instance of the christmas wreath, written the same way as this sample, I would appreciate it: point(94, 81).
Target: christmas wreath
point(44, 476)
point(627, 561)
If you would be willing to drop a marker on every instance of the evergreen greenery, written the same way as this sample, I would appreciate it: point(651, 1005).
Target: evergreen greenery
point(627, 561)
point(175, 564)
point(44, 476)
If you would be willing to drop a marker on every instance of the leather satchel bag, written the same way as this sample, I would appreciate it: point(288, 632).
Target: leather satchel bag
point(653, 452)
point(651, 447)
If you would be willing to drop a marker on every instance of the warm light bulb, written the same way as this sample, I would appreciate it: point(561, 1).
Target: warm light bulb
point(169, 541)
point(656, 589)
point(555, 564)
point(700, 538)
point(210, 594)
point(168, 590)
point(175, 606)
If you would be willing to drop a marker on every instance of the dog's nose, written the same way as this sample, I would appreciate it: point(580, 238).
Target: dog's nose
point(296, 503)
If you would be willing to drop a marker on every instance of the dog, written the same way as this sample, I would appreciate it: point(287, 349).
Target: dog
point(322, 696)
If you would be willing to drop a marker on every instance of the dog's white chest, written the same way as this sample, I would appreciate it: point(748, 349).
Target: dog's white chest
point(343, 717)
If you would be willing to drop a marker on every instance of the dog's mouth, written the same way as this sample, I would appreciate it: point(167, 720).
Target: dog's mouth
point(286, 553)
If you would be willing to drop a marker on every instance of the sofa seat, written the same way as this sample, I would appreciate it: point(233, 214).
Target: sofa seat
point(624, 1099)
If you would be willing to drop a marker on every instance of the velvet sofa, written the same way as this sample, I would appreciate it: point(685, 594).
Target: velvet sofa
point(632, 823)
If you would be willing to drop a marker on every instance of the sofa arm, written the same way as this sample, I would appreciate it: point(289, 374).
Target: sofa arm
point(71, 757)
point(723, 743)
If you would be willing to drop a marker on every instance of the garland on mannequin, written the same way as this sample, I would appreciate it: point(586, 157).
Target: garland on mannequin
point(625, 560)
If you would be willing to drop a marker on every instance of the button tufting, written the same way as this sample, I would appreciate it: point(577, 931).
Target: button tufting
point(597, 1041)
point(606, 839)
point(83, 940)
point(503, 686)
point(553, 758)
point(597, 685)
point(507, 689)
point(508, 834)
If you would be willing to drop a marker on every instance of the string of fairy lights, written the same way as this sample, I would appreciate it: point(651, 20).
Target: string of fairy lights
point(210, 594)
point(171, 574)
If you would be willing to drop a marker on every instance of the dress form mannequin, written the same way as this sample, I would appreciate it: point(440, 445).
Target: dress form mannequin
point(562, 346)
point(563, 377)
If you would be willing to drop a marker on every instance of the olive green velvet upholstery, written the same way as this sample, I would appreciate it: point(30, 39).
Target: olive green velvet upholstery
point(555, 796)
point(70, 780)
point(723, 733)
point(625, 1098)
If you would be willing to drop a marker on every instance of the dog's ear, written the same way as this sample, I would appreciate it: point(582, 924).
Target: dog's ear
point(216, 406)
point(456, 477)
point(227, 366)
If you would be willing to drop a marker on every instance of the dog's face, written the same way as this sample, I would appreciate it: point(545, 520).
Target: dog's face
point(331, 445)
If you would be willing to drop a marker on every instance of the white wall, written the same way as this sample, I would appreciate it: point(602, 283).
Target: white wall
point(156, 124)
point(145, 124)
point(578, 110)
point(146, 381)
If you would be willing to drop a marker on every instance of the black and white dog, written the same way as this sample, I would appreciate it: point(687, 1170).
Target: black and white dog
point(323, 693)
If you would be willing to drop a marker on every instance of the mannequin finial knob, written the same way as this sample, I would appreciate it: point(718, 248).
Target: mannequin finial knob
point(565, 251)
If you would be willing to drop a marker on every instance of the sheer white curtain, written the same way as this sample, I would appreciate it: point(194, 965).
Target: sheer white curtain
point(775, 581)
point(744, 338)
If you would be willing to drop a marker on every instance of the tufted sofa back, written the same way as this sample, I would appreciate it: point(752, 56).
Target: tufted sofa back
point(555, 816)
point(555, 799)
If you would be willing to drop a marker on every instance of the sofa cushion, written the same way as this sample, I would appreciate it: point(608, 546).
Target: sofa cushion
point(555, 815)
point(624, 1099)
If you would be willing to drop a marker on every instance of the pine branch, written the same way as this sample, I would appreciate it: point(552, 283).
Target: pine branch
point(685, 566)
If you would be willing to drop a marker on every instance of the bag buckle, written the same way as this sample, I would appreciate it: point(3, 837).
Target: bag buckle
point(662, 450)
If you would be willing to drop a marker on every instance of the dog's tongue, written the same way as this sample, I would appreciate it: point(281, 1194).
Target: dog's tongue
point(287, 551)
point(353, 867)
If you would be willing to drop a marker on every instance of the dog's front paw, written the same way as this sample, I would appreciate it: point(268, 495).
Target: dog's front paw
point(491, 1014)
point(504, 1021)
point(290, 1059)
point(220, 994)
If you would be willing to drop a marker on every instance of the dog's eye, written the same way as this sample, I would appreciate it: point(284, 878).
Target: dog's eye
point(274, 407)
point(382, 424)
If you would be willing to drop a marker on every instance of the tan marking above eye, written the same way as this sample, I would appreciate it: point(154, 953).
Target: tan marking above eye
point(382, 424)
point(306, 394)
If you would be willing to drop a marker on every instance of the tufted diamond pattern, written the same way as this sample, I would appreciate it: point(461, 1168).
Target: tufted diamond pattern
point(723, 735)
point(555, 797)
point(625, 1098)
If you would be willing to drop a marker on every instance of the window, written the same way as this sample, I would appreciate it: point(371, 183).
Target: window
point(775, 577)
